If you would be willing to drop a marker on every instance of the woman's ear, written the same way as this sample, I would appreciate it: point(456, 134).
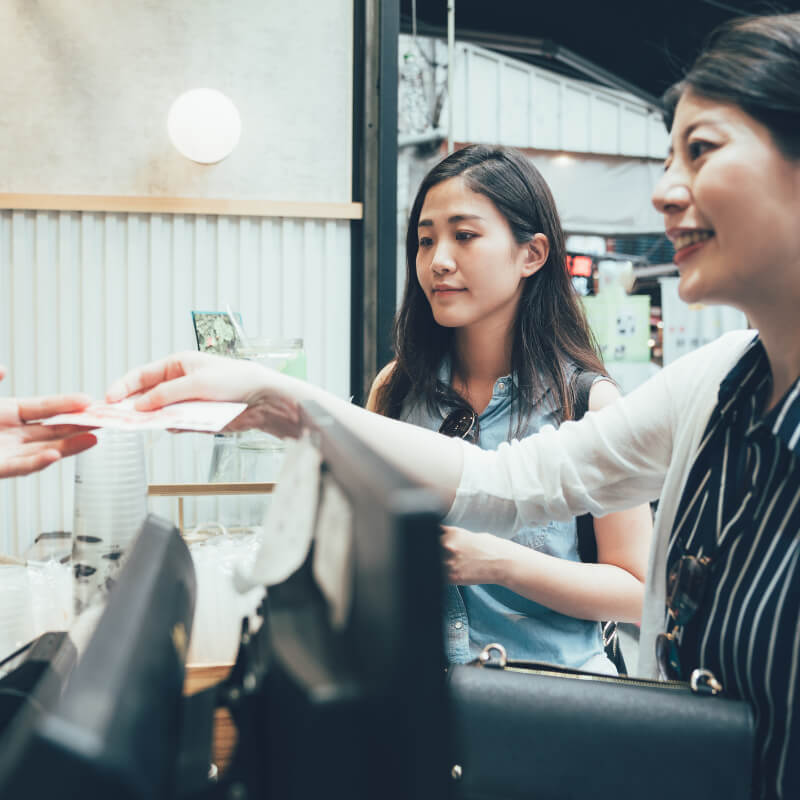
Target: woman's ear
point(537, 251)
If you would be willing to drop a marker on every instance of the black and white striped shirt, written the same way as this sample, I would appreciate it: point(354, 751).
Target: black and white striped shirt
point(741, 507)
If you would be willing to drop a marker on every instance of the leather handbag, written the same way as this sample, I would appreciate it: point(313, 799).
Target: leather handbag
point(527, 730)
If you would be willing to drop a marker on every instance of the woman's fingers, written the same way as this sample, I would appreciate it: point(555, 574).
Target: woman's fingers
point(34, 456)
point(187, 387)
point(151, 376)
point(29, 462)
point(49, 433)
point(143, 378)
point(34, 408)
point(76, 444)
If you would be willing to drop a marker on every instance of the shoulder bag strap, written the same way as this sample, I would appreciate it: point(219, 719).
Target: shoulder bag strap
point(587, 545)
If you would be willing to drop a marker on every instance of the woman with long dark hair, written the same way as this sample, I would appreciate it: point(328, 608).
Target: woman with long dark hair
point(491, 337)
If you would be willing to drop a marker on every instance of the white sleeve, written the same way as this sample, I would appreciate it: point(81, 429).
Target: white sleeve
point(610, 460)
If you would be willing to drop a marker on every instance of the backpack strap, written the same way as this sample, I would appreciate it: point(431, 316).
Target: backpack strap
point(587, 544)
point(583, 386)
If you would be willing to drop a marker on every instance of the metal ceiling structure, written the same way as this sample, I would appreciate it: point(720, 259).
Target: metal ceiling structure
point(639, 46)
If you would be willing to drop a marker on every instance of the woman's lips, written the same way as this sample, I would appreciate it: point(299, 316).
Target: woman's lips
point(686, 252)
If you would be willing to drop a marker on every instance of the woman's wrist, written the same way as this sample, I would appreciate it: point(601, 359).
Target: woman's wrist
point(501, 565)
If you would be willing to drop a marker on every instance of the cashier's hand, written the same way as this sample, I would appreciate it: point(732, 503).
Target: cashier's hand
point(26, 446)
point(470, 558)
point(202, 376)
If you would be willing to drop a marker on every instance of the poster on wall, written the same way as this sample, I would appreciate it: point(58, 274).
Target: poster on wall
point(621, 324)
point(687, 327)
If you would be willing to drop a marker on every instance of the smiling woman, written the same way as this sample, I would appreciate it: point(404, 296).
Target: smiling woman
point(723, 247)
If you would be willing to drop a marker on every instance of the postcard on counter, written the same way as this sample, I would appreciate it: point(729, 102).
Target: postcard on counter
point(192, 415)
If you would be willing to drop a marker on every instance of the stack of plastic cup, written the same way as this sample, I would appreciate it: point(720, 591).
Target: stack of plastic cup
point(16, 609)
point(110, 507)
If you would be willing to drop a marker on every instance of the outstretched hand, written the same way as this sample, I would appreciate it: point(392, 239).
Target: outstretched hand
point(201, 376)
point(26, 446)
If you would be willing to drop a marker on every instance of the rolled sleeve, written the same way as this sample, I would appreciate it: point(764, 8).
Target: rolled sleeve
point(610, 460)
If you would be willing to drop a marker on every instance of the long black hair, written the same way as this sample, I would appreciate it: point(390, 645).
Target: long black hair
point(753, 63)
point(550, 329)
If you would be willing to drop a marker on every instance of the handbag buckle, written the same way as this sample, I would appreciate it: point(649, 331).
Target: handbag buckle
point(703, 681)
point(485, 658)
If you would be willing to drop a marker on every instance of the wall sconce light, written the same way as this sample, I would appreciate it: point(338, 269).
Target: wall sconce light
point(204, 125)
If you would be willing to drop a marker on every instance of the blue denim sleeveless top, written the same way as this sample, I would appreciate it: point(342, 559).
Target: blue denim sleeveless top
point(478, 615)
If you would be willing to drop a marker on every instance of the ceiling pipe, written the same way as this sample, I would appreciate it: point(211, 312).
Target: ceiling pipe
point(451, 68)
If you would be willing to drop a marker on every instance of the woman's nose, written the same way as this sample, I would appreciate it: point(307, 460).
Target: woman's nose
point(671, 194)
point(442, 261)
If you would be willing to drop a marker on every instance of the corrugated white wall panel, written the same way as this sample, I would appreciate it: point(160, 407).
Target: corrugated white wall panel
point(605, 125)
point(634, 130)
point(577, 119)
point(548, 113)
point(86, 296)
point(514, 111)
point(657, 137)
point(483, 124)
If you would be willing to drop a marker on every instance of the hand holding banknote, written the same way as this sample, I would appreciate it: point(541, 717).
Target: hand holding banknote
point(268, 396)
point(26, 445)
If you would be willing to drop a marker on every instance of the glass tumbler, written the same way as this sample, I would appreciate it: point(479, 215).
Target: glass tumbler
point(284, 355)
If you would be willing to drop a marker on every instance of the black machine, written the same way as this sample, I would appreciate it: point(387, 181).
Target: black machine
point(355, 710)
point(358, 712)
point(114, 730)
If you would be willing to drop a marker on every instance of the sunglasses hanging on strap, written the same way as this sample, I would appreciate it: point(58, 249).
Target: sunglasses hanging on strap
point(462, 423)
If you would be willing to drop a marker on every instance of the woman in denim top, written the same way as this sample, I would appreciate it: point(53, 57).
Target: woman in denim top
point(490, 330)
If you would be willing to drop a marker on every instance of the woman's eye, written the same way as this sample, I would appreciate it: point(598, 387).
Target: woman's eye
point(425, 241)
point(465, 235)
point(697, 148)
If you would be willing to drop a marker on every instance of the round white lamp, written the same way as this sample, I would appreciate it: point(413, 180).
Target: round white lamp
point(204, 125)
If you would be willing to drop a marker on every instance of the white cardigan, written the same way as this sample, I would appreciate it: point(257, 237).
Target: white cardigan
point(633, 451)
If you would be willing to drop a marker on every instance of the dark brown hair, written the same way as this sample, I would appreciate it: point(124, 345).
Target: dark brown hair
point(550, 329)
point(754, 63)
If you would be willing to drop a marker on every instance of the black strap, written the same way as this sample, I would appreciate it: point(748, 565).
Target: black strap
point(587, 544)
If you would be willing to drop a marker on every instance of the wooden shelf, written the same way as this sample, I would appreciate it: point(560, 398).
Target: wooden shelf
point(203, 489)
point(225, 206)
point(181, 490)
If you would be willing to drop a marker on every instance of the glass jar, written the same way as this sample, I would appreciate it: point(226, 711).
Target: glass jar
point(284, 355)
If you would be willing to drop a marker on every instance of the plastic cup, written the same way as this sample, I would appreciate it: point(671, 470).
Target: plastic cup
point(16, 609)
point(110, 507)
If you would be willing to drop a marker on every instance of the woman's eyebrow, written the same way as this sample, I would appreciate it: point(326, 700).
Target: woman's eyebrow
point(428, 223)
point(463, 217)
point(706, 121)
